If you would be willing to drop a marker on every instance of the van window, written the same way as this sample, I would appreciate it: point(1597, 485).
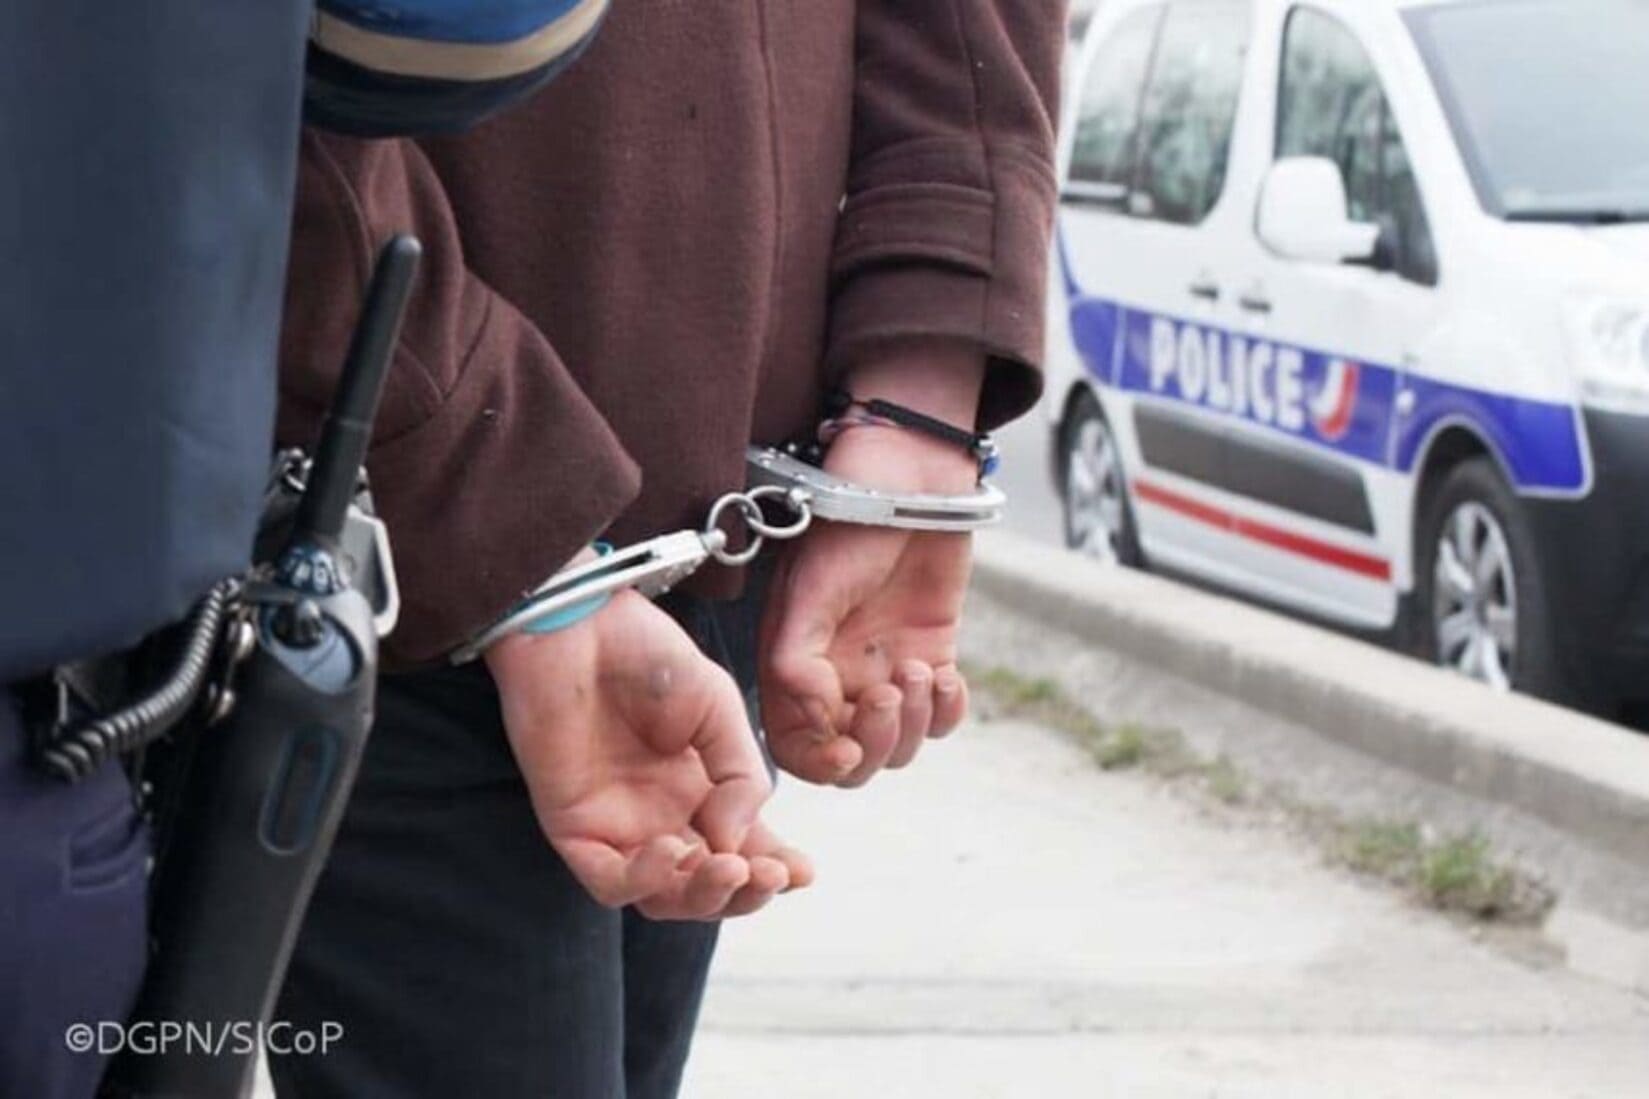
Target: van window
point(1102, 161)
point(1563, 139)
point(1330, 104)
point(1190, 107)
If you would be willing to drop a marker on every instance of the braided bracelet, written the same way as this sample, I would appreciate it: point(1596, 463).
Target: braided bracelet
point(845, 411)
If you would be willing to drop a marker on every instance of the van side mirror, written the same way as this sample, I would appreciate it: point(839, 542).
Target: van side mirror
point(1304, 214)
point(1386, 255)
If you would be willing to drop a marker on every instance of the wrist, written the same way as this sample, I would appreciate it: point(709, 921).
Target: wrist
point(509, 648)
point(938, 378)
point(521, 658)
point(889, 448)
point(894, 459)
point(518, 657)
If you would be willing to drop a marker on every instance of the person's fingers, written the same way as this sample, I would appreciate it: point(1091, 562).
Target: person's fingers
point(732, 761)
point(713, 885)
point(798, 866)
point(764, 843)
point(809, 682)
point(614, 879)
point(876, 729)
point(768, 878)
point(915, 681)
point(798, 752)
point(950, 700)
point(774, 868)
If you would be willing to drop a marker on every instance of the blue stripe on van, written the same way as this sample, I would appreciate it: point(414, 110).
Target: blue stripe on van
point(1326, 400)
point(1539, 442)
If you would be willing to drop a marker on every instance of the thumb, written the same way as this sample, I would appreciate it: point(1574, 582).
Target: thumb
point(726, 745)
point(807, 720)
point(804, 709)
point(798, 671)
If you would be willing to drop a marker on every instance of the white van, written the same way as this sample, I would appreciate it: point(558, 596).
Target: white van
point(1352, 317)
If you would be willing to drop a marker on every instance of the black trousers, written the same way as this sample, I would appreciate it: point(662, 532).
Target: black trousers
point(452, 944)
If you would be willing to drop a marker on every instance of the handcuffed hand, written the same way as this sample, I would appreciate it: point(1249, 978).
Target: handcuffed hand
point(642, 767)
point(859, 640)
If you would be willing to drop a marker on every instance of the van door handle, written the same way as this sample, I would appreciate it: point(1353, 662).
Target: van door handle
point(1255, 301)
point(1206, 289)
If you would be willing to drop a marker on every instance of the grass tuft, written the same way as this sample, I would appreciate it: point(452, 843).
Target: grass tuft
point(1225, 782)
point(1121, 750)
point(1457, 874)
point(1388, 849)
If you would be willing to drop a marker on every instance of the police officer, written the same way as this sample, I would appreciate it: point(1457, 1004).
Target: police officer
point(144, 220)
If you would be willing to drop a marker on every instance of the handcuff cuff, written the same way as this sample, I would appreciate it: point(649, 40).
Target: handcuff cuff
point(775, 477)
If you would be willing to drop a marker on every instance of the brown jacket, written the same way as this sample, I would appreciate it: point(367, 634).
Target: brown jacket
point(723, 205)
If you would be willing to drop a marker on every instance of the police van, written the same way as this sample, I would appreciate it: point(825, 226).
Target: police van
point(1352, 317)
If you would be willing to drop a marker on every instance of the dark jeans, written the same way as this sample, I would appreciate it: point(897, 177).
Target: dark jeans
point(72, 917)
point(453, 945)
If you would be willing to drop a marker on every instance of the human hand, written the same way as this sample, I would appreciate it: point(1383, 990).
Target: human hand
point(641, 765)
point(858, 646)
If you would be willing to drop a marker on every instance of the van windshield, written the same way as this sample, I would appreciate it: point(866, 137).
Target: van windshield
point(1549, 101)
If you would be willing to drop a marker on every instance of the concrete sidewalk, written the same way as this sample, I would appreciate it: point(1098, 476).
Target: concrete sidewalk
point(1006, 920)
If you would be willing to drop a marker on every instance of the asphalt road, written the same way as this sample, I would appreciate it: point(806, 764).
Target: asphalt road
point(1006, 920)
point(1033, 505)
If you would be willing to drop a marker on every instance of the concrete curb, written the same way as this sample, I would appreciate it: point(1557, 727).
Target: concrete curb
point(1585, 777)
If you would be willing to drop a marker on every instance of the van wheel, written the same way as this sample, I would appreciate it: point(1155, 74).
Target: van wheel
point(1480, 607)
point(1098, 519)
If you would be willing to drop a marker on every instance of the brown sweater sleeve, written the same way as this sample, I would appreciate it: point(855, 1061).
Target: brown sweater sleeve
point(946, 227)
point(489, 465)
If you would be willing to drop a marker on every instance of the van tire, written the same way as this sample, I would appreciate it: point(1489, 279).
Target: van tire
point(1083, 436)
point(1476, 496)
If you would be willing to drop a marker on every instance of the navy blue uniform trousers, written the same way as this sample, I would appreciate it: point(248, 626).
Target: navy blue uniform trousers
point(72, 933)
point(452, 944)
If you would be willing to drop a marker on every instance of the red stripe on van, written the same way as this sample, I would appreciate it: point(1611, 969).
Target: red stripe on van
point(1350, 560)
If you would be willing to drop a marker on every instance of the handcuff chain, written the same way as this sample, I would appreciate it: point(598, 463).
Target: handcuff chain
point(656, 565)
point(749, 507)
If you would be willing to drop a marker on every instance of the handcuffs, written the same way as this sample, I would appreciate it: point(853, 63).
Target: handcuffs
point(776, 477)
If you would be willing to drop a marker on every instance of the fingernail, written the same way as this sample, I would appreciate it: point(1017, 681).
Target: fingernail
point(840, 758)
